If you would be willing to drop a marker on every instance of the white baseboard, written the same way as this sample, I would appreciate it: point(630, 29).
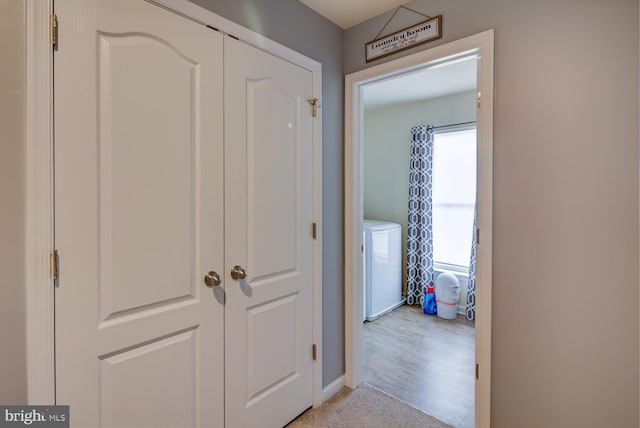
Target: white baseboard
point(333, 388)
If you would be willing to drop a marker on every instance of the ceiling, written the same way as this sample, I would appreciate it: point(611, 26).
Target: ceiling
point(457, 76)
point(444, 79)
point(347, 13)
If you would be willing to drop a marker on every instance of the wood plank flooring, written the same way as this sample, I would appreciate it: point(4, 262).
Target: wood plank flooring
point(423, 360)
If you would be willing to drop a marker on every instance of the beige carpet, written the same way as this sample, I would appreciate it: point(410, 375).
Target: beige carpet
point(365, 407)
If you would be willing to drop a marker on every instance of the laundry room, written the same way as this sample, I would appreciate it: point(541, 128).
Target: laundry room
point(419, 182)
point(443, 99)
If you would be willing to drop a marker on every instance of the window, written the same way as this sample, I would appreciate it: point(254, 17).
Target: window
point(454, 197)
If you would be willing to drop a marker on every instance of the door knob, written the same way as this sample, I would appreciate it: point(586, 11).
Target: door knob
point(238, 273)
point(211, 279)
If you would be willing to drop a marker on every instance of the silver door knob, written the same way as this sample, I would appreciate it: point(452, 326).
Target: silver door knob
point(212, 279)
point(238, 273)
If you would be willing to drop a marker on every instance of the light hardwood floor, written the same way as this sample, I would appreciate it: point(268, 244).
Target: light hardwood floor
point(423, 360)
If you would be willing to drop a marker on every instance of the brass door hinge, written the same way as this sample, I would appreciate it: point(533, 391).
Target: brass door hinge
point(53, 29)
point(314, 106)
point(314, 230)
point(477, 236)
point(477, 371)
point(479, 98)
point(313, 352)
point(54, 264)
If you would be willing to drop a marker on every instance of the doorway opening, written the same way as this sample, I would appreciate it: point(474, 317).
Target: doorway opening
point(476, 52)
point(419, 174)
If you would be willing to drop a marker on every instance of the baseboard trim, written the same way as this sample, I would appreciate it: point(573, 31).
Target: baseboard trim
point(462, 309)
point(333, 388)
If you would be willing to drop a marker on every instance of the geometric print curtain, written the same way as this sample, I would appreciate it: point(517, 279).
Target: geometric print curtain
point(420, 227)
point(470, 311)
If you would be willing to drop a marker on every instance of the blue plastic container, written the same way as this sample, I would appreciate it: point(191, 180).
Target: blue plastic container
point(429, 305)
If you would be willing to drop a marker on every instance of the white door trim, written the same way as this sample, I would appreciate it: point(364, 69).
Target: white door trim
point(39, 230)
point(39, 204)
point(481, 44)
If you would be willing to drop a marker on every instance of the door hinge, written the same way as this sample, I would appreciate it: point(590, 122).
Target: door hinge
point(477, 236)
point(479, 98)
point(314, 106)
point(53, 29)
point(54, 264)
point(313, 351)
point(477, 371)
point(314, 230)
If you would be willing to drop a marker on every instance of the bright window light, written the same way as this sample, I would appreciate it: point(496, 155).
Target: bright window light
point(454, 196)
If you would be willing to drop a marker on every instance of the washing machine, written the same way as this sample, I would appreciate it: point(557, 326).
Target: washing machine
point(382, 268)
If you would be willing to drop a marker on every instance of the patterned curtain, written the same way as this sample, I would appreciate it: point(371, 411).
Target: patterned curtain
point(419, 228)
point(471, 289)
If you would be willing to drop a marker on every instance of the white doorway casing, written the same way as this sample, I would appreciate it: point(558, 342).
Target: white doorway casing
point(480, 45)
point(39, 199)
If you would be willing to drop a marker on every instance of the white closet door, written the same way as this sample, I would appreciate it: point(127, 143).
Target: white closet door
point(268, 211)
point(138, 216)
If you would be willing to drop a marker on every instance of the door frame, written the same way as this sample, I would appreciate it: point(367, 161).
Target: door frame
point(482, 45)
point(39, 228)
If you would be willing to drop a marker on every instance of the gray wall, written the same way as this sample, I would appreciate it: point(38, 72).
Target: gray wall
point(294, 25)
point(13, 375)
point(565, 214)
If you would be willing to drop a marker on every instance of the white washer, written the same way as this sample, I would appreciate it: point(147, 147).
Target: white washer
point(382, 268)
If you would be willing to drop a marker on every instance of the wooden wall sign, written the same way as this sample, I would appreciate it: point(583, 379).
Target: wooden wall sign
point(418, 34)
